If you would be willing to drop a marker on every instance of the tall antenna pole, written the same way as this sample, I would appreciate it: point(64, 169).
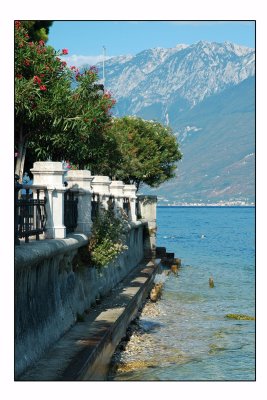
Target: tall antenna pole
point(104, 56)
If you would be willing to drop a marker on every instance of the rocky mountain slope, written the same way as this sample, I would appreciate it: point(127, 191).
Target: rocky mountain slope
point(206, 93)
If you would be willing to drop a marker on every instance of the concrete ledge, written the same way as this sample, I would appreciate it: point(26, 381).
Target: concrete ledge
point(84, 352)
point(136, 224)
point(38, 250)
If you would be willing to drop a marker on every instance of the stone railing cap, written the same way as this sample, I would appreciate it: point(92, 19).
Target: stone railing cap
point(117, 184)
point(100, 179)
point(47, 166)
point(130, 187)
point(79, 174)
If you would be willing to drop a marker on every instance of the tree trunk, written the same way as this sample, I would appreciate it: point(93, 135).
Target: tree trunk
point(22, 146)
point(137, 184)
point(20, 159)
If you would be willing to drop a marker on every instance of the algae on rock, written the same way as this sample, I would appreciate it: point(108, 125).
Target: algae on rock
point(242, 317)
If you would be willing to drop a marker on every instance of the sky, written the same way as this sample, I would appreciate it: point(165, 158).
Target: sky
point(85, 39)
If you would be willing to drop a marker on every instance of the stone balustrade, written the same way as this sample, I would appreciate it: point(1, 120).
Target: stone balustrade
point(116, 190)
point(101, 186)
point(130, 192)
point(81, 180)
point(53, 176)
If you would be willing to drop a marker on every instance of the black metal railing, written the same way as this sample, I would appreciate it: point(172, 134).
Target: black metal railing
point(95, 206)
point(30, 213)
point(111, 203)
point(138, 209)
point(126, 205)
point(70, 210)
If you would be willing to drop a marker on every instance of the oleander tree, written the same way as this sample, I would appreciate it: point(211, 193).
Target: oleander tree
point(54, 118)
point(38, 30)
point(84, 122)
point(41, 80)
point(148, 151)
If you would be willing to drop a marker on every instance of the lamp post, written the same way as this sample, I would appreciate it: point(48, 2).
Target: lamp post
point(104, 56)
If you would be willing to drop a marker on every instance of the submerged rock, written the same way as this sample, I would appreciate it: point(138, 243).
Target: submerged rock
point(156, 292)
point(211, 282)
point(215, 348)
point(134, 365)
point(174, 269)
point(132, 359)
point(177, 261)
point(240, 317)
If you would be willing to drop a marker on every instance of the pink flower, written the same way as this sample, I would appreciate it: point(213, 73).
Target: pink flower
point(36, 79)
point(41, 43)
point(107, 95)
point(43, 87)
point(94, 69)
point(67, 164)
point(77, 76)
point(17, 24)
point(65, 51)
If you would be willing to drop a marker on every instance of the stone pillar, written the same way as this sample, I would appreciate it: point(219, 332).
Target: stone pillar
point(117, 190)
point(81, 180)
point(130, 192)
point(101, 185)
point(148, 210)
point(51, 174)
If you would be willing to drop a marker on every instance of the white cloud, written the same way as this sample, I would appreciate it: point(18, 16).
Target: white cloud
point(79, 60)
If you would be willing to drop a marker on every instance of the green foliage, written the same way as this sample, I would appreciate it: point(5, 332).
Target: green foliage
point(53, 117)
point(147, 151)
point(37, 30)
point(108, 239)
point(58, 120)
point(42, 84)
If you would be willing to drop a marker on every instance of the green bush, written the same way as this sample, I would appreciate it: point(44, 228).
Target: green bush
point(108, 239)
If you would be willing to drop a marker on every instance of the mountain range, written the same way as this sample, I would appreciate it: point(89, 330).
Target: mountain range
point(206, 93)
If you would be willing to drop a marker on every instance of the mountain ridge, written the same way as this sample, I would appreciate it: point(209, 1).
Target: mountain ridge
point(206, 93)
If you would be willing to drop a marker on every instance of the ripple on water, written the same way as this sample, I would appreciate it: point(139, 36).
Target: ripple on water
point(185, 335)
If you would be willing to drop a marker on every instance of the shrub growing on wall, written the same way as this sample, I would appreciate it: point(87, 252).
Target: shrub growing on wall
point(108, 239)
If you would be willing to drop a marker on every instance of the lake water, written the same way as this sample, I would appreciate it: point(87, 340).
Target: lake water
point(188, 337)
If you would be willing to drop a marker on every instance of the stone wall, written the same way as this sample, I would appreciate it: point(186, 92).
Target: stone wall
point(49, 292)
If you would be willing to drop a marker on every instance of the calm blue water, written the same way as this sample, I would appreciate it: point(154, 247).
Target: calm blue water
point(217, 241)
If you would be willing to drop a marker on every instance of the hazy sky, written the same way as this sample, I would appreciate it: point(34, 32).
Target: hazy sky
point(85, 39)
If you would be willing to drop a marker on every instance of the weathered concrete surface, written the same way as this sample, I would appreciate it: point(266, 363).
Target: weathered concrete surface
point(50, 292)
point(37, 251)
point(148, 210)
point(84, 352)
